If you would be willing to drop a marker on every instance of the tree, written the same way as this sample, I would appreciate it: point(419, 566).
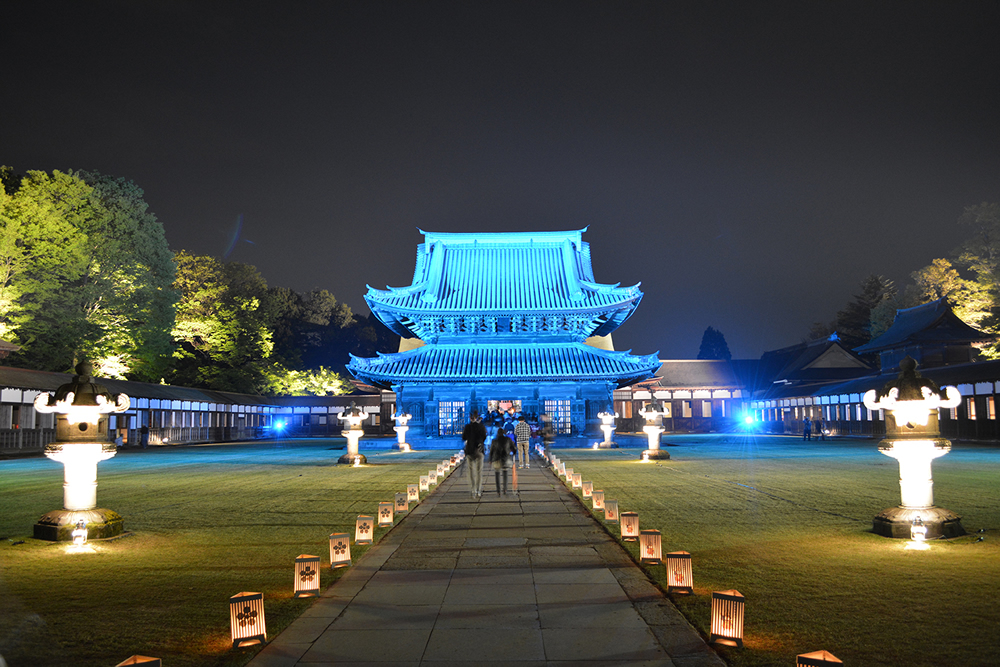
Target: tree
point(223, 327)
point(85, 272)
point(854, 321)
point(713, 345)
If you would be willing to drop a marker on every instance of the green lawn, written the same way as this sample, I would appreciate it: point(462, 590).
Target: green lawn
point(788, 524)
point(207, 522)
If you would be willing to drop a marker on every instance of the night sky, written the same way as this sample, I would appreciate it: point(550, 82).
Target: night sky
point(748, 162)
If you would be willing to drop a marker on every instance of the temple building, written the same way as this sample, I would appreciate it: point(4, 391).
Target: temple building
point(507, 321)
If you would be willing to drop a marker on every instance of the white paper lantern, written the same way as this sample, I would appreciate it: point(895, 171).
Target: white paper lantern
point(402, 503)
point(597, 498)
point(817, 659)
point(432, 476)
point(364, 529)
point(588, 489)
point(306, 576)
point(413, 493)
point(340, 550)
point(679, 573)
point(727, 618)
point(246, 619)
point(611, 511)
point(141, 660)
point(425, 483)
point(630, 526)
point(650, 546)
point(385, 514)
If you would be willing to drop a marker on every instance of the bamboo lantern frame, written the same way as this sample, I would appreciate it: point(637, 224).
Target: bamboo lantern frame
point(680, 576)
point(817, 659)
point(246, 619)
point(364, 529)
point(650, 547)
point(597, 500)
point(385, 514)
point(340, 550)
point(630, 526)
point(140, 660)
point(611, 514)
point(306, 576)
point(727, 618)
point(588, 489)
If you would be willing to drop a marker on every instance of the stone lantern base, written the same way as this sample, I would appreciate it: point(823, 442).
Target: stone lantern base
point(896, 522)
point(348, 459)
point(655, 454)
point(57, 525)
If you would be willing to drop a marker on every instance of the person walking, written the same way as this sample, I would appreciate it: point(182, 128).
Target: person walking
point(807, 429)
point(523, 434)
point(548, 433)
point(474, 435)
point(501, 457)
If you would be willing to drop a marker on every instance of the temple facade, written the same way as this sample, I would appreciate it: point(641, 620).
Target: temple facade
point(504, 322)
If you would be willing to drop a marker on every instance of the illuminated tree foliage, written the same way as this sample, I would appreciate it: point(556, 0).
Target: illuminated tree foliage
point(233, 333)
point(84, 273)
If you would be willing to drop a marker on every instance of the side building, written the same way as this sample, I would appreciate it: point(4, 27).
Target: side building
point(503, 322)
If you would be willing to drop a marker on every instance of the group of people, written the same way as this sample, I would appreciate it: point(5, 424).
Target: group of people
point(504, 451)
point(808, 425)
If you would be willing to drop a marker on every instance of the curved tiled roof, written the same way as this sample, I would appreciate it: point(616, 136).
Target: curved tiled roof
point(930, 323)
point(491, 363)
point(509, 273)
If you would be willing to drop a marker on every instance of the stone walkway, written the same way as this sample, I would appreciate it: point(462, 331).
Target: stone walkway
point(530, 579)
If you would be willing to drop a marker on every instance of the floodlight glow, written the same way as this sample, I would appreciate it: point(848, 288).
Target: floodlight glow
point(748, 420)
point(912, 412)
point(80, 533)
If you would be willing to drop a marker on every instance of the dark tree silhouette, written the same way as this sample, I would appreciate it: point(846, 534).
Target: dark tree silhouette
point(713, 345)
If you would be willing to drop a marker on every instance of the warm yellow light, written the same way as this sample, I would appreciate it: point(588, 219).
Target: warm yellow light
point(144, 660)
point(817, 659)
point(630, 526)
point(80, 533)
point(425, 482)
point(402, 502)
point(340, 550)
point(611, 511)
point(413, 493)
point(650, 546)
point(679, 573)
point(364, 529)
point(587, 489)
point(597, 498)
point(306, 576)
point(577, 480)
point(914, 412)
point(246, 619)
point(385, 514)
point(727, 618)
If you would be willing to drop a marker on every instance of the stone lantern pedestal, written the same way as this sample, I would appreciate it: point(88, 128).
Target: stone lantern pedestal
point(653, 414)
point(353, 416)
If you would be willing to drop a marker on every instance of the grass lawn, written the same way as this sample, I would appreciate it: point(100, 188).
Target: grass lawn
point(787, 523)
point(207, 523)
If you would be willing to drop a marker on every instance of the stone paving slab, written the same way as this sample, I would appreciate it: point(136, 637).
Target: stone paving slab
point(527, 579)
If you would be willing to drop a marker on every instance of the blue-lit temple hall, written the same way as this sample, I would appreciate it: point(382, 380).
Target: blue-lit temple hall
point(504, 321)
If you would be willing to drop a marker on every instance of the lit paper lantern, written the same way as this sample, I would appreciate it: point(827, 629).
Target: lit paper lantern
point(597, 498)
point(611, 511)
point(141, 660)
point(562, 469)
point(306, 576)
point(630, 526)
point(454, 461)
point(679, 574)
point(246, 619)
point(817, 659)
point(567, 473)
point(363, 530)
point(727, 618)
point(402, 502)
point(412, 493)
point(385, 514)
point(79, 534)
point(340, 550)
point(650, 546)
point(425, 483)
point(440, 470)
point(577, 480)
point(588, 489)
point(432, 476)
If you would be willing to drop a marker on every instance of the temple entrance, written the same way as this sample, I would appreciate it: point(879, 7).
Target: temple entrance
point(499, 410)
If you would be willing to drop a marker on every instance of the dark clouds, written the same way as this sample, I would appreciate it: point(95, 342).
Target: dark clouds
point(748, 162)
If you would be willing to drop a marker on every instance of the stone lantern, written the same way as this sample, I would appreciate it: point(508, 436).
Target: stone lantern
point(912, 437)
point(81, 408)
point(608, 426)
point(653, 414)
point(353, 417)
point(401, 428)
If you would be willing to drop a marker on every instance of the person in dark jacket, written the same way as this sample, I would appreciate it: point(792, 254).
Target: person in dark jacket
point(474, 435)
point(501, 456)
